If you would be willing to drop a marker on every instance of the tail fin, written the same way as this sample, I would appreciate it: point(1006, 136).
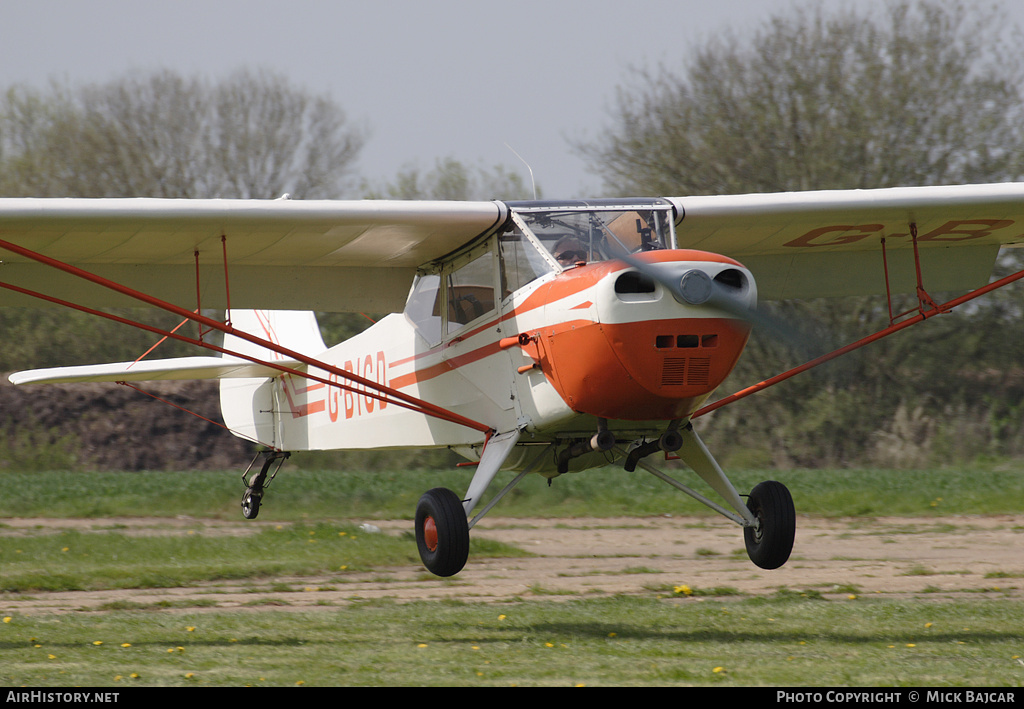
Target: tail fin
point(295, 329)
point(248, 405)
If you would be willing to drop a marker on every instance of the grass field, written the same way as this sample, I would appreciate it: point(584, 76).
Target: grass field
point(606, 642)
point(654, 638)
point(312, 495)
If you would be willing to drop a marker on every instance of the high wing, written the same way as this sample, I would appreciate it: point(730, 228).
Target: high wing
point(828, 243)
point(281, 254)
point(362, 255)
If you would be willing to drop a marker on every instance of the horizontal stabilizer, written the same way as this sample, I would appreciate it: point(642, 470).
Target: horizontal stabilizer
point(157, 369)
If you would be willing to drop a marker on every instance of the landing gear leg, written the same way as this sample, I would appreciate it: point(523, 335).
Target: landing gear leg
point(768, 518)
point(255, 486)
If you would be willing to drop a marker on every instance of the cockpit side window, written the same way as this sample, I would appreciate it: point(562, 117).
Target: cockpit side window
point(423, 307)
point(470, 291)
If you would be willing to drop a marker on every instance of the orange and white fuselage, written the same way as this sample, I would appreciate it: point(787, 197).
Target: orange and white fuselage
point(593, 342)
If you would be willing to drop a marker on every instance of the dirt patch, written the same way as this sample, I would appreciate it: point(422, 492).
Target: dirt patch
point(585, 558)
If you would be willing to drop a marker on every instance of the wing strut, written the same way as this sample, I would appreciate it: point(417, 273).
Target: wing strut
point(376, 390)
point(923, 313)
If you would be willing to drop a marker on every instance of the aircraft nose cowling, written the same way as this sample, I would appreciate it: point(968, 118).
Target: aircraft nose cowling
point(646, 355)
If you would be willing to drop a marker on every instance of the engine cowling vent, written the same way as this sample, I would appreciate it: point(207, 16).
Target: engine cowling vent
point(686, 371)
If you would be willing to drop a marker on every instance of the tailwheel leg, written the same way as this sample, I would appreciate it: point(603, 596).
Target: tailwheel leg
point(442, 532)
point(770, 541)
point(257, 484)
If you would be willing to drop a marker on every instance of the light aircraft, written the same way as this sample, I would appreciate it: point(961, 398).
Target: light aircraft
point(532, 337)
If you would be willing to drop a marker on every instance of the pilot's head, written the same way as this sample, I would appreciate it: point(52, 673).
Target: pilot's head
point(569, 251)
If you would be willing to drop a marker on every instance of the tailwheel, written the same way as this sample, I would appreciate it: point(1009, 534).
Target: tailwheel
point(442, 532)
point(771, 541)
point(255, 486)
point(251, 504)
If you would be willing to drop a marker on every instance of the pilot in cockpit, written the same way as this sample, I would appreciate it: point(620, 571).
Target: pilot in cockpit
point(570, 251)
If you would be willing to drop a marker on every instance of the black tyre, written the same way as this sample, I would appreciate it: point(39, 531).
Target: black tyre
point(770, 543)
point(442, 532)
point(250, 504)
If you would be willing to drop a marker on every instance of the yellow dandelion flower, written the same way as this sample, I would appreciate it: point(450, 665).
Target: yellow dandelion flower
point(7, 619)
point(190, 628)
point(422, 645)
point(189, 675)
point(718, 670)
point(97, 642)
point(927, 625)
point(500, 617)
point(683, 589)
point(126, 644)
point(548, 645)
point(51, 657)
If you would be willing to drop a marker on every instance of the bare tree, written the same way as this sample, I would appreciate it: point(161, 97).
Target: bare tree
point(453, 179)
point(250, 135)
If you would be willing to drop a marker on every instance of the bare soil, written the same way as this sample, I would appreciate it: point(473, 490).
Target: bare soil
point(584, 558)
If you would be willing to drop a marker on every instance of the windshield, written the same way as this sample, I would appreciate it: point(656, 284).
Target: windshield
point(573, 236)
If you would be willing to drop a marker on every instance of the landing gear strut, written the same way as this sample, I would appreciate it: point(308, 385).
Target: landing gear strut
point(768, 517)
point(255, 486)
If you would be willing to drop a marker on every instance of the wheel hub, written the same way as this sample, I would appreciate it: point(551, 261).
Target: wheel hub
point(430, 533)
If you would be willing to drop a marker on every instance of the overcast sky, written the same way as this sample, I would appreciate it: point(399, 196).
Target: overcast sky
point(429, 79)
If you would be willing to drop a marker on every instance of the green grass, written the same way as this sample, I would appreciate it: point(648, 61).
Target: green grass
point(715, 637)
point(110, 558)
point(299, 494)
point(785, 641)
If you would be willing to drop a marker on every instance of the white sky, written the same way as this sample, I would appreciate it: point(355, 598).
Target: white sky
point(429, 79)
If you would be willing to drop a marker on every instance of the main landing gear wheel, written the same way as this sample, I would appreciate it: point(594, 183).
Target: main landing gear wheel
point(771, 541)
point(442, 532)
